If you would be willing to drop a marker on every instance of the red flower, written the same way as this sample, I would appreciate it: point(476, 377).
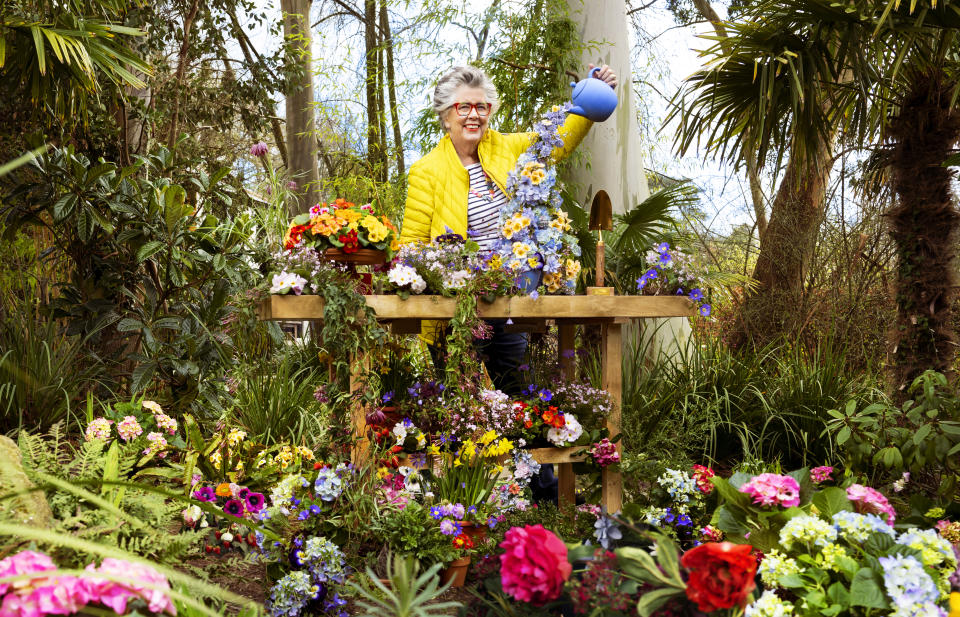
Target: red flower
point(350, 241)
point(462, 541)
point(293, 236)
point(702, 475)
point(721, 574)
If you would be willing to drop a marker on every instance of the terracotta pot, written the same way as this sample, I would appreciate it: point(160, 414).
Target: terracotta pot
point(361, 257)
point(477, 533)
point(456, 571)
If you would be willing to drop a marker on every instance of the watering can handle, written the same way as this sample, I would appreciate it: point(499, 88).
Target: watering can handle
point(573, 84)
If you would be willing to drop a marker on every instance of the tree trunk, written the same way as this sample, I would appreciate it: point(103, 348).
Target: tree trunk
point(301, 137)
point(613, 148)
point(923, 225)
point(392, 89)
point(181, 73)
point(376, 155)
point(786, 247)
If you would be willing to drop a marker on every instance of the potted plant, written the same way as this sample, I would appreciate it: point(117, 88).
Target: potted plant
point(345, 232)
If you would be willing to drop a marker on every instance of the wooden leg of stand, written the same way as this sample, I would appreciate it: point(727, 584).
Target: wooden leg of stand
point(358, 417)
point(566, 484)
point(566, 341)
point(612, 492)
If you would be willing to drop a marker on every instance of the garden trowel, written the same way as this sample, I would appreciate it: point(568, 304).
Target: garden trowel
point(601, 219)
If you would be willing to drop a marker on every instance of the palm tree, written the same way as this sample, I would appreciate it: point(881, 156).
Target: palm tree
point(55, 58)
point(884, 76)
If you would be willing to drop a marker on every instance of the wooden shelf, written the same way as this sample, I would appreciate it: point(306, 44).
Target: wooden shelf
point(558, 455)
point(390, 307)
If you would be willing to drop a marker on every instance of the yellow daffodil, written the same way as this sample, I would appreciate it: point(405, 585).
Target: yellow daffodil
point(488, 437)
point(433, 449)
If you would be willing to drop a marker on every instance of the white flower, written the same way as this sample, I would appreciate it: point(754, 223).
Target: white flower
point(768, 605)
point(567, 434)
point(286, 282)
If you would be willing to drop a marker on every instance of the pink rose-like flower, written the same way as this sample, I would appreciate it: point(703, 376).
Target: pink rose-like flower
point(534, 566)
point(770, 489)
point(867, 500)
point(62, 595)
point(116, 594)
point(702, 475)
point(820, 474)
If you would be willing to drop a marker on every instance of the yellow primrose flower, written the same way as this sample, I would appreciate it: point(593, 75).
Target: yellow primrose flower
point(537, 176)
point(369, 221)
point(572, 267)
point(351, 216)
point(378, 233)
point(305, 453)
point(533, 261)
point(152, 406)
point(520, 249)
point(382, 472)
point(235, 436)
point(516, 265)
point(394, 245)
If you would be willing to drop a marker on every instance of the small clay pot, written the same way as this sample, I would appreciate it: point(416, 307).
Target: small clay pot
point(456, 571)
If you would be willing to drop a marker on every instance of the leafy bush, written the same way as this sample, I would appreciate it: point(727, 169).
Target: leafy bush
point(922, 436)
point(410, 532)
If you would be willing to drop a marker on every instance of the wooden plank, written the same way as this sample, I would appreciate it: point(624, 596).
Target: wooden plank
point(544, 307)
point(566, 347)
point(612, 382)
point(557, 455)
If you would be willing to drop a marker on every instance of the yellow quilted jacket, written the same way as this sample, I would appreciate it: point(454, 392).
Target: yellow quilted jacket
point(439, 185)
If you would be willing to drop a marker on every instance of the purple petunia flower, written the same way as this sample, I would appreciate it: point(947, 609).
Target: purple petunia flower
point(206, 493)
point(234, 507)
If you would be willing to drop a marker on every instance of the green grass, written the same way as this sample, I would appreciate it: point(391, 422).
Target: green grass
point(723, 406)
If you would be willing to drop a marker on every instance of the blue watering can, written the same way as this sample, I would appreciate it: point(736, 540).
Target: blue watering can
point(593, 98)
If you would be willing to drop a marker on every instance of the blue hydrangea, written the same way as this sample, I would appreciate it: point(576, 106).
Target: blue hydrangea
point(323, 559)
point(910, 589)
point(328, 484)
point(291, 594)
point(856, 528)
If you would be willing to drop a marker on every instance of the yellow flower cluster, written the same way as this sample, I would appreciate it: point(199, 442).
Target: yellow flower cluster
point(376, 230)
point(520, 249)
point(514, 224)
point(535, 171)
point(561, 221)
point(555, 280)
point(235, 436)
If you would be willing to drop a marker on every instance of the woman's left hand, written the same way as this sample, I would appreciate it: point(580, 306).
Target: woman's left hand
point(606, 74)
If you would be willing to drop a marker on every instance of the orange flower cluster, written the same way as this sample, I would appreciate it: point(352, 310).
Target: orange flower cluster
point(342, 222)
point(551, 416)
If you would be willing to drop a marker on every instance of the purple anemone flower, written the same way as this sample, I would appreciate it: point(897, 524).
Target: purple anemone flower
point(206, 493)
point(254, 501)
point(234, 507)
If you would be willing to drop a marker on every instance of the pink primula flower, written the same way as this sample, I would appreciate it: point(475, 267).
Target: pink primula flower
point(116, 594)
point(534, 565)
point(770, 489)
point(867, 500)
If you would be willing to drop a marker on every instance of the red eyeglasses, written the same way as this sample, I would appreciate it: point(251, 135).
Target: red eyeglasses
point(463, 109)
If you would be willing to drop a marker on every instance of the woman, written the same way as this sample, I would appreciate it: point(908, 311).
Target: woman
point(459, 186)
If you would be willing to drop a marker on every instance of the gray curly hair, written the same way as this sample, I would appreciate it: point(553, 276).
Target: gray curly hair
point(455, 78)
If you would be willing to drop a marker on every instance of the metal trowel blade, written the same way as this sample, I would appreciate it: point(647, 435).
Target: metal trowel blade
point(601, 212)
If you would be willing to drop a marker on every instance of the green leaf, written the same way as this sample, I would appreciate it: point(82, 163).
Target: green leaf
point(922, 433)
point(831, 500)
point(149, 249)
point(141, 376)
point(878, 543)
point(843, 435)
point(727, 521)
point(838, 594)
point(651, 601)
point(791, 581)
point(865, 590)
point(129, 324)
point(64, 206)
point(729, 492)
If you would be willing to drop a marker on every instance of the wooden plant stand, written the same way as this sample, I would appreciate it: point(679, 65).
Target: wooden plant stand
point(611, 312)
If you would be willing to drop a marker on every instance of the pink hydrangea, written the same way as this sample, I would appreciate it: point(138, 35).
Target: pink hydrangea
point(129, 428)
point(820, 474)
point(116, 594)
point(99, 428)
point(867, 500)
point(35, 597)
point(770, 489)
point(534, 565)
point(166, 423)
point(23, 562)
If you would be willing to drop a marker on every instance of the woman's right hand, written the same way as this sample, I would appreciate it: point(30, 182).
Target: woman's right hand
point(605, 73)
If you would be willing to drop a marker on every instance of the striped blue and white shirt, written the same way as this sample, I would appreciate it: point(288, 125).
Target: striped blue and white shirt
point(483, 207)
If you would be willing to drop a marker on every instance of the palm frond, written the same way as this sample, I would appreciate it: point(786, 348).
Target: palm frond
point(648, 220)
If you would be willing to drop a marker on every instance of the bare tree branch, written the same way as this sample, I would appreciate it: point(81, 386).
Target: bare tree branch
point(524, 67)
